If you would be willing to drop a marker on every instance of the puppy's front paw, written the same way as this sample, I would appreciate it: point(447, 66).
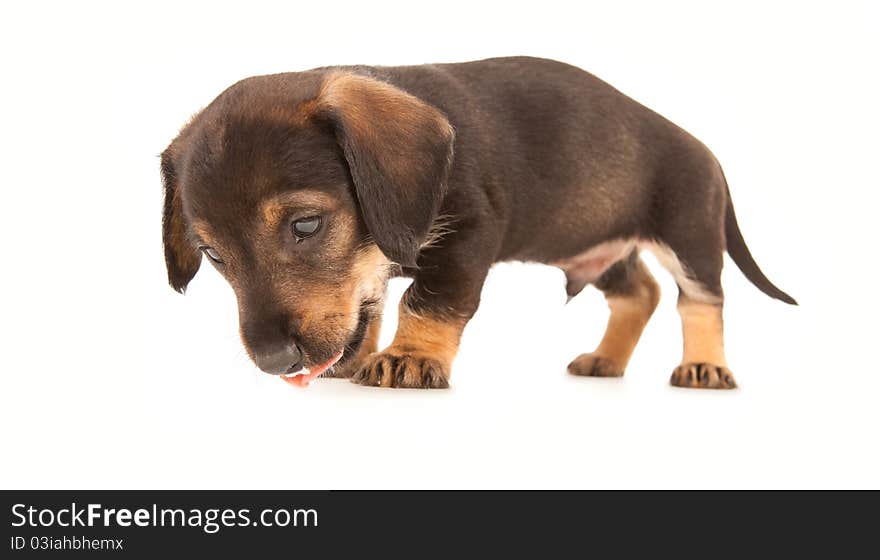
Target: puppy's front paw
point(594, 365)
point(702, 376)
point(389, 369)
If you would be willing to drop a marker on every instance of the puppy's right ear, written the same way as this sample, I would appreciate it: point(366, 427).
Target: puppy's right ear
point(182, 257)
point(399, 152)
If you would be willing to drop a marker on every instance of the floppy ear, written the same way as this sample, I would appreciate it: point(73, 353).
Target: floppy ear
point(182, 258)
point(399, 151)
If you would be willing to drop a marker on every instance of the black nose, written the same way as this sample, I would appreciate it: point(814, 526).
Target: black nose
point(286, 359)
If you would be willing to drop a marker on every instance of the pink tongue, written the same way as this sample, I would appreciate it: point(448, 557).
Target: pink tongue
point(303, 379)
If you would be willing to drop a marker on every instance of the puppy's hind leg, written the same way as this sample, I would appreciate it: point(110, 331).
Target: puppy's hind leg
point(691, 246)
point(703, 364)
point(632, 295)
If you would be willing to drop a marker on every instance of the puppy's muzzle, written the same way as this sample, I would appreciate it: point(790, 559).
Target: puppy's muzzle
point(279, 361)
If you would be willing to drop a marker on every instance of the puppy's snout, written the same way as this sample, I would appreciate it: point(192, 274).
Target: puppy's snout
point(281, 360)
point(270, 337)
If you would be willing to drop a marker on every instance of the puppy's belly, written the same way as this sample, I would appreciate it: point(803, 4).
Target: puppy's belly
point(588, 266)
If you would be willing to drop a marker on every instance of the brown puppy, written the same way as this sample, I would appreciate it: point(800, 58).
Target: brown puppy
point(309, 190)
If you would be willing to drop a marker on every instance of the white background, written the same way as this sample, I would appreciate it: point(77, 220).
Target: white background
point(110, 379)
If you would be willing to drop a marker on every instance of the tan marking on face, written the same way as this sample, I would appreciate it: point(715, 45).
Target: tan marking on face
point(328, 312)
point(337, 310)
point(629, 315)
point(202, 229)
point(369, 345)
point(702, 332)
point(205, 236)
point(427, 337)
point(274, 209)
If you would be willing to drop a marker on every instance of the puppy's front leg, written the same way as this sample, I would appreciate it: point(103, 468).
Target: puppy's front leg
point(419, 357)
point(433, 314)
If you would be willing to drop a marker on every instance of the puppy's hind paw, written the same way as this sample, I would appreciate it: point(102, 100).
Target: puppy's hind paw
point(702, 376)
point(594, 365)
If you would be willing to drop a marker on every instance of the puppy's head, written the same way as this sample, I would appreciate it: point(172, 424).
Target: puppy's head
point(304, 190)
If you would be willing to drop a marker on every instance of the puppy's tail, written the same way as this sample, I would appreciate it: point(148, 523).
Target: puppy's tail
point(739, 252)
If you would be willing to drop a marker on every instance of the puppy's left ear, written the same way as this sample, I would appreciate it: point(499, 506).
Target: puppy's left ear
point(399, 151)
point(182, 257)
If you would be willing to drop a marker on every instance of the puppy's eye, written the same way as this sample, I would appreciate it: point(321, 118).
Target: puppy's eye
point(306, 227)
point(212, 254)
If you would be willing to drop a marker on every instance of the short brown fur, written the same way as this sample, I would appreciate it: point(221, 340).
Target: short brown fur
point(436, 172)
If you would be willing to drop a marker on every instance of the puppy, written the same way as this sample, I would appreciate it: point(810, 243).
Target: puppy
point(309, 190)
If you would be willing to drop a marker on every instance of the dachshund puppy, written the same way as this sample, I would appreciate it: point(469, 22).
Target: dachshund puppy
point(309, 190)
